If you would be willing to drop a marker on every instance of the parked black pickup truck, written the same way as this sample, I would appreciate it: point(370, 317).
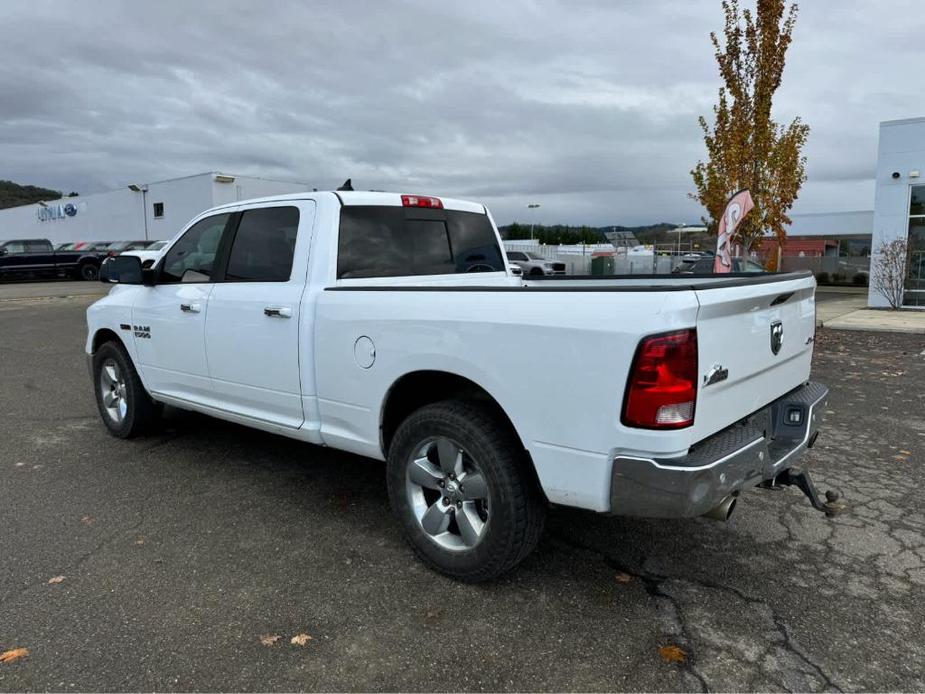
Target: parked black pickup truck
point(38, 257)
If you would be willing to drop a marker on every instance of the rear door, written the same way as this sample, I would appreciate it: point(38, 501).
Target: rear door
point(169, 318)
point(754, 344)
point(252, 328)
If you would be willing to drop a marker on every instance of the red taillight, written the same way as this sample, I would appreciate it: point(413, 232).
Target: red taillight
point(662, 388)
point(421, 201)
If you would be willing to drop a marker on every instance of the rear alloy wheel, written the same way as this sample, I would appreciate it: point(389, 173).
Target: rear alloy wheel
point(448, 494)
point(89, 272)
point(125, 406)
point(461, 486)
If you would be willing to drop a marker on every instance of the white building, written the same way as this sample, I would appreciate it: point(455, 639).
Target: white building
point(899, 202)
point(155, 210)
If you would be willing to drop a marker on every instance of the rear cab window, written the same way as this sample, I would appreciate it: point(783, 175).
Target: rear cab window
point(392, 241)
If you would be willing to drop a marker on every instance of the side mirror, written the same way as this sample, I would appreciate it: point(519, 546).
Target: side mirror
point(121, 269)
point(3, 251)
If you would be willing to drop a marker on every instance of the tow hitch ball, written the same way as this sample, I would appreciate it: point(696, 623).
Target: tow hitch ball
point(804, 482)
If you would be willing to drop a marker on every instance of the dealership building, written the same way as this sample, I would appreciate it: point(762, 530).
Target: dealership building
point(154, 211)
point(899, 203)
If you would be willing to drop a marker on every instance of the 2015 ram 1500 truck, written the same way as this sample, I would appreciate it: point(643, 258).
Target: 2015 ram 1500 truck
point(391, 326)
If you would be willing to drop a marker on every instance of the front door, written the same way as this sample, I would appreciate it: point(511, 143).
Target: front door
point(169, 318)
point(252, 327)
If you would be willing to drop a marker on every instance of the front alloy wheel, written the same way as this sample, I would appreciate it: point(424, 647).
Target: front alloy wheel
point(112, 391)
point(125, 407)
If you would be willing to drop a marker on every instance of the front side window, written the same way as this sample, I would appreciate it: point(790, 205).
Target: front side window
point(513, 255)
point(264, 245)
point(192, 257)
point(384, 241)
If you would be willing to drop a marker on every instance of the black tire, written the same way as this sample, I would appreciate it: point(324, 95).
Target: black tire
point(141, 413)
point(515, 507)
point(89, 272)
point(535, 271)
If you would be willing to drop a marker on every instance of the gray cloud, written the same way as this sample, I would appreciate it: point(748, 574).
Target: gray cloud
point(589, 108)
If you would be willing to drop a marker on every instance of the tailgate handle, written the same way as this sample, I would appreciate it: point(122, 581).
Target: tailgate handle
point(781, 299)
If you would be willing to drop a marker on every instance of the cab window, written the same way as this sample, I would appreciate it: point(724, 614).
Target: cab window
point(192, 258)
point(264, 245)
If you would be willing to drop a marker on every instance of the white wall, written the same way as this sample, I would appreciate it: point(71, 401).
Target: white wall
point(246, 188)
point(121, 215)
point(901, 149)
point(831, 223)
point(183, 199)
point(103, 217)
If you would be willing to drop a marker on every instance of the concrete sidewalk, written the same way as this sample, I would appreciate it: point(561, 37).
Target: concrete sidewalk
point(830, 309)
point(876, 320)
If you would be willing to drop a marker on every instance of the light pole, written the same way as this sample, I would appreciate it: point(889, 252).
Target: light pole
point(532, 206)
point(143, 189)
point(680, 230)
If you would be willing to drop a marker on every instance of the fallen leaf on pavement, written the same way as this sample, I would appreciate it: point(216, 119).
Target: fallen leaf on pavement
point(300, 639)
point(672, 654)
point(140, 541)
point(13, 655)
point(623, 577)
point(269, 639)
point(56, 579)
point(87, 520)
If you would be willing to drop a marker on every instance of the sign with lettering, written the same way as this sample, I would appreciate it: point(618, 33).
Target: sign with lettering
point(49, 212)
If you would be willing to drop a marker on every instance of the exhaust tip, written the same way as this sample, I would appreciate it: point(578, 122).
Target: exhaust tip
point(723, 509)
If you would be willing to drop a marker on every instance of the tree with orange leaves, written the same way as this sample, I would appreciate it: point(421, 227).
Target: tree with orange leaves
point(746, 147)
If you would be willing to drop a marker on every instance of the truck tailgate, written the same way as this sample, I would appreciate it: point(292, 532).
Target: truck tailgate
point(756, 342)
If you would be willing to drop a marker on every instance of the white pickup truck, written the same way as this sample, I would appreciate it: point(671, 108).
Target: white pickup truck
point(391, 326)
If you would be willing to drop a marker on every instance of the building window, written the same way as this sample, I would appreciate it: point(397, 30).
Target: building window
point(915, 280)
point(158, 210)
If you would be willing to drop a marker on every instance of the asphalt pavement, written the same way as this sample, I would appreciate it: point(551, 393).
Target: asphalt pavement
point(190, 559)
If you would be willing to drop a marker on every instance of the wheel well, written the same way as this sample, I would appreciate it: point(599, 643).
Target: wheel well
point(414, 390)
point(105, 335)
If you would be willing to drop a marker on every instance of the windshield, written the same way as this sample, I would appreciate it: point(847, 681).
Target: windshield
point(157, 246)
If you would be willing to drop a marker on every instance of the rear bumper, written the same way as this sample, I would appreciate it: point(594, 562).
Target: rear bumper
point(741, 456)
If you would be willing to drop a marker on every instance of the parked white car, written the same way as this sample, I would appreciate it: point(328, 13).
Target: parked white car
point(390, 326)
point(533, 264)
point(148, 255)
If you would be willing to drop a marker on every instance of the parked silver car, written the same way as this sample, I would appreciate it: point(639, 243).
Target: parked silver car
point(534, 264)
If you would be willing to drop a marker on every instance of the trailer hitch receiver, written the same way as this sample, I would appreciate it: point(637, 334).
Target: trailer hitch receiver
point(802, 480)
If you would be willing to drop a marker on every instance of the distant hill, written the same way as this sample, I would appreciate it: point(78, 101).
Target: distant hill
point(14, 195)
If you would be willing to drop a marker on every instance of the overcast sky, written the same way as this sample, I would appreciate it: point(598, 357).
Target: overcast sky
point(588, 108)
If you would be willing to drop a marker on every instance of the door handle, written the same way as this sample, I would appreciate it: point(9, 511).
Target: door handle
point(278, 312)
point(190, 308)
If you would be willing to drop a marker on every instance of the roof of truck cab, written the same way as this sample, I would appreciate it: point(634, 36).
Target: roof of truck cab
point(361, 197)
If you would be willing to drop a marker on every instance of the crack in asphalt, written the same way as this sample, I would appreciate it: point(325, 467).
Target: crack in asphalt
point(652, 583)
